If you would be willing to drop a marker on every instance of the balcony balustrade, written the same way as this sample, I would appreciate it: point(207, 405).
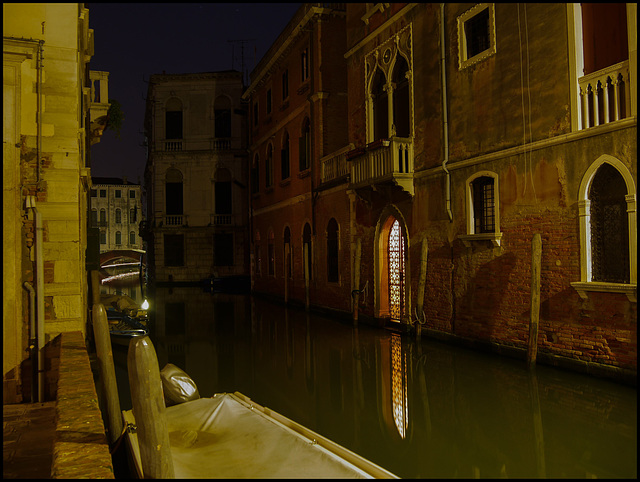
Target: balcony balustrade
point(381, 162)
point(335, 164)
point(605, 95)
point(222, 219)
point(174, 220)
point(172, 146)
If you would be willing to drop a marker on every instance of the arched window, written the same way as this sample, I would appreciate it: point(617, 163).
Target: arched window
point(287, 255)
point(306, 241)
point(94, 217)
point(483, 208)
point(608, 237)
point(268, 167)
point(103, 217)
point(132, 238)
point(255, 175)
point(401, 107)
point(132, 215)
point(284, 156)
point(258, 255)
point(173, 119)
point(305, 145)
point(332, 251)
point(609, 227)
point(118, 238)
point(380, 107)
point(118, 216)
point(272, 255)
point(173, 193)
point(396, 250)
point(222, 113)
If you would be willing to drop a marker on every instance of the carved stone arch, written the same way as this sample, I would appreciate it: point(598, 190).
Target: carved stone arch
point(584, 214)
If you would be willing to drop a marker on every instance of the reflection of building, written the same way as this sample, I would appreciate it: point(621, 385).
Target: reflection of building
point(196, 176)
point(454, 160)
point(116, 209)
point(52, 114)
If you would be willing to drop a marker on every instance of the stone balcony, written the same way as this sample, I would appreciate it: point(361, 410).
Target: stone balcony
point(98, 102)
point(605, 95)
point(383, 162)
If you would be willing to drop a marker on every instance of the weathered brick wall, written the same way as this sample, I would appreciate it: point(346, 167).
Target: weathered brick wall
point(80, 448)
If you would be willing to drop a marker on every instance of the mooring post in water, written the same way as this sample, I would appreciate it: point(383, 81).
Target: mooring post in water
point(104, 354)
point(287, 250)
point(306, 276)
point(356, 280)
point(421, 282)
point(149, 409)
point(95, 286)
point(536, 256)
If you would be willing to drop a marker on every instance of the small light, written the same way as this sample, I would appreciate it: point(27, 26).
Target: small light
point(145, 305)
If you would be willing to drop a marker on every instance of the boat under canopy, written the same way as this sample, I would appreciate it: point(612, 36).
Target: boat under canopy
point(230, 436)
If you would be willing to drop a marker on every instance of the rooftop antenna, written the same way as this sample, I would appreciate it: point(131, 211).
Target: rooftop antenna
point(245, 74)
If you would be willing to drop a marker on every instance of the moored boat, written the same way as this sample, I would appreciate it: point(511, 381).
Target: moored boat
point(230, 436)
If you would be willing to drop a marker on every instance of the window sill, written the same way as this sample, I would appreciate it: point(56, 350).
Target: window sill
point(285, 182)
point(583, 287)
point(468, 239)
point(303, 174)
point(269, 189)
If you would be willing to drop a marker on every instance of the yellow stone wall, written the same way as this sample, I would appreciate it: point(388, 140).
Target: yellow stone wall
point(60, 188)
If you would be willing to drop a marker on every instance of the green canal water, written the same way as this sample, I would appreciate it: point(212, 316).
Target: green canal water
point(419, 409)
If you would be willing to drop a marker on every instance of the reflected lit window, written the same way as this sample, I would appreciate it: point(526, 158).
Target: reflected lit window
point(399, 386)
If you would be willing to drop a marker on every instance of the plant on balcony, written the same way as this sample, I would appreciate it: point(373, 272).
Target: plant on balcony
point(115, 117)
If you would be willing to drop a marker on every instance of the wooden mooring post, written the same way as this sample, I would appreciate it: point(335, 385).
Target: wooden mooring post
point(287, 267)
point(536, 257)
point(421, 283)
point(356, 280)
point(306, 276)
point(104, 354)
point(149, 409)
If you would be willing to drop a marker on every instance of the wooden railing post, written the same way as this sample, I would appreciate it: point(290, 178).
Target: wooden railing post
point(149, 409)
point(107, 370)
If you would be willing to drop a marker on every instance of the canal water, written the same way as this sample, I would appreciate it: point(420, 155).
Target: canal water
point(419, 409)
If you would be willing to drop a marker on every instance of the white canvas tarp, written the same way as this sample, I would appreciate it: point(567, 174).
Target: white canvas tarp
point(229, 436)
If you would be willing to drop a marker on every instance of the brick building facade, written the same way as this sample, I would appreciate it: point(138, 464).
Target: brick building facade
point(470, 129)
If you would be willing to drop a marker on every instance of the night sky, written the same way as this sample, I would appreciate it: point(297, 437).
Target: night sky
point(136, 40)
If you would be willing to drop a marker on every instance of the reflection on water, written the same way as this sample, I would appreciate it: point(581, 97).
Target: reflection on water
point(423, 409)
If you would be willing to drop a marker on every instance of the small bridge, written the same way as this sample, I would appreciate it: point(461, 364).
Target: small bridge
point(133, 254)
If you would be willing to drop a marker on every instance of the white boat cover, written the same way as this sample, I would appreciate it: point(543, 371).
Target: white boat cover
point(229, 436)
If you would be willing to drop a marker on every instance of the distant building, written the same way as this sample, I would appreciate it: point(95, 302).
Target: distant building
point(116, 209)
point(196, 177)
point(54, 109)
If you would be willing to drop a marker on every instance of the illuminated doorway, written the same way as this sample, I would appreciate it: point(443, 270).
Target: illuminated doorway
point(391, 268)
point(395, 252)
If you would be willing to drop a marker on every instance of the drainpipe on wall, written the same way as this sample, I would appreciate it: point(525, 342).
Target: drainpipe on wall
point(445, 119)
point(31, 203)
point(39, 113)
point(32, 337)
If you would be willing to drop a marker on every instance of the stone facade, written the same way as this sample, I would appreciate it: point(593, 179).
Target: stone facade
point(51, 117)
point(116, 209)
point(474, 127)
point(196, 177)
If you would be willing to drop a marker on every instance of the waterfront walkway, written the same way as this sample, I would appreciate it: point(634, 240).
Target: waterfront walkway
point(28, 431)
